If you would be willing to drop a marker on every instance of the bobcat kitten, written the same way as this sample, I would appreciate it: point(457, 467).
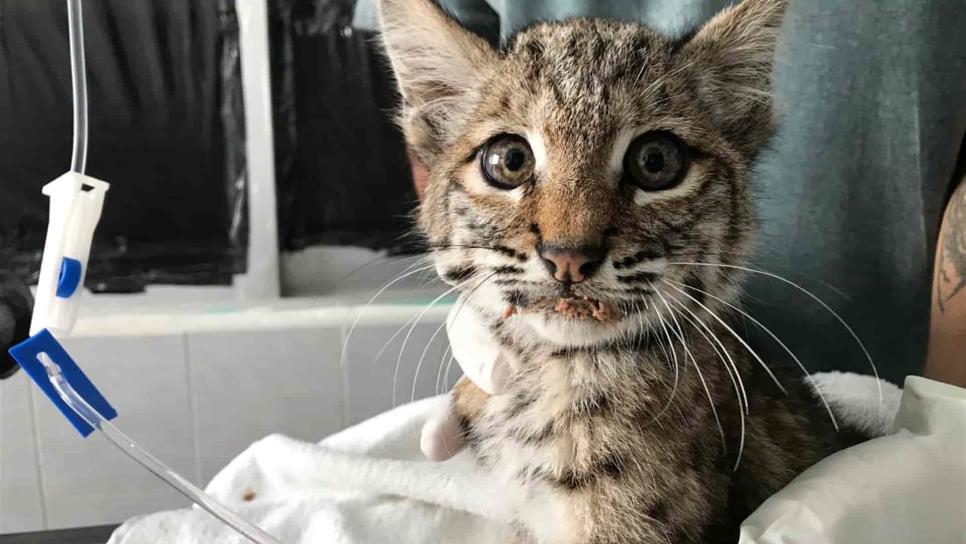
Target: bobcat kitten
point(589, 196)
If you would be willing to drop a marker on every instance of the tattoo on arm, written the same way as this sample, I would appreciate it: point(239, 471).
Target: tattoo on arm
point(951, 265)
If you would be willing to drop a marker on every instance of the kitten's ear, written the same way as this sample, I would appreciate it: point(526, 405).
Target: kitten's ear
point(732, 59)
point(439, 66)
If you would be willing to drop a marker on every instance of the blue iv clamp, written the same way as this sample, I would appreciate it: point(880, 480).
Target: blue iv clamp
point(27, 354)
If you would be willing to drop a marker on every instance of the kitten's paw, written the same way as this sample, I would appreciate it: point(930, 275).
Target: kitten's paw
point(441, 437)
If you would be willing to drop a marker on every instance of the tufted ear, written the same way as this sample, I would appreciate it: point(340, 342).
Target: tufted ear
point(731, 60)
point(439, 66)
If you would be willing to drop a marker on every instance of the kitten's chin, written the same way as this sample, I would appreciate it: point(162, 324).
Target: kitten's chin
point(574, 333)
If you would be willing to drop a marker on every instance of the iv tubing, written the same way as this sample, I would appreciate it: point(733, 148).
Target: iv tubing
point(62, 386)
point(148, 461)
point(78, 75)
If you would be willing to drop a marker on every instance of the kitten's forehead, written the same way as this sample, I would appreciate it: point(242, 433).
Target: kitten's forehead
point(586, 51)
point(581, 82)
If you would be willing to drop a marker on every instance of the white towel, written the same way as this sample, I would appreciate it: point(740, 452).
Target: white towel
point(370, 484)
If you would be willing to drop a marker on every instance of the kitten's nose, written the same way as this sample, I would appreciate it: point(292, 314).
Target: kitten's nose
point(571, 264)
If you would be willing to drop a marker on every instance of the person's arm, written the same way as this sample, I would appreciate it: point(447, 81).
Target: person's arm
point(947, 335)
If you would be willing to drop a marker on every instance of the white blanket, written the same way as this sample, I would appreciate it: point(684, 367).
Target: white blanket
point(370, 484)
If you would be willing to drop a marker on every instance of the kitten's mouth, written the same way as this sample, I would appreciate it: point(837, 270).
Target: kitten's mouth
point(574, 307)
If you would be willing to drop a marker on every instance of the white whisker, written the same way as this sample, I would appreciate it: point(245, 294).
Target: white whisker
point(721, 352)
point(694, 362)
point(388, 341)
point(355, 322)
point(381, 261)
point(733, 333)
point(420, 316)
point(422, 356)
point(409, 333)
point(674, 387)
point(449, 365)
point(439, 370)
point(838, 318)
point(774, 337)
point(385, 346)
point(735, 376)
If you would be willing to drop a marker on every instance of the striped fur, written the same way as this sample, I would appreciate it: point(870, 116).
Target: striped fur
point(612, 426)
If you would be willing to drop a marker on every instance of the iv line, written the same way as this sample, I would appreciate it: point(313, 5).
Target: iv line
point(64, 390)
point(148, 461)
point(78, 77)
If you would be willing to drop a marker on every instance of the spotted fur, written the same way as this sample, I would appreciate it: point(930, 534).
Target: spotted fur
point(611, 426)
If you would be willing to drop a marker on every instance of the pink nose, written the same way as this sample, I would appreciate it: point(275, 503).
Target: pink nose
point(571, 265)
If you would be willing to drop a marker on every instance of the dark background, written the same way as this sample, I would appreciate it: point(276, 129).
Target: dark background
point(341, 168)
point(166, 127)
point(167, 131)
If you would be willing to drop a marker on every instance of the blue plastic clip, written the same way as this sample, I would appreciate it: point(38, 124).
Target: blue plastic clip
point(70, 275)
point(27, 353)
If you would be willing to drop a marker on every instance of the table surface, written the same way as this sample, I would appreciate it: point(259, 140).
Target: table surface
point(88, 535)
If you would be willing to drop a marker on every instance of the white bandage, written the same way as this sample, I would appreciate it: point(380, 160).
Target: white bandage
point(480, 357)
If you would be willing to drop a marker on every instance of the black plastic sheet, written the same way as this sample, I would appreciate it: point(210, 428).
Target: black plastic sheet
point(166, 130)
point(342, 173)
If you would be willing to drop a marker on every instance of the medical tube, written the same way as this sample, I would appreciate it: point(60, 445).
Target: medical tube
point(78, 74)
point(148, 461)
point(64, 390)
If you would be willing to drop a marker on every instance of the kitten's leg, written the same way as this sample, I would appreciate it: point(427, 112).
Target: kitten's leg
point(468, 400)
point(442, 436)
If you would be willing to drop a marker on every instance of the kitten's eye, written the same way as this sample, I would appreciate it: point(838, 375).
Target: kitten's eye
point(656, 161)
point(507, 162)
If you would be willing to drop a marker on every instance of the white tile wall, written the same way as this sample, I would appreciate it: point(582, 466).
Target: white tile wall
point(248, 384)
point(196, 399)
point(21, 506)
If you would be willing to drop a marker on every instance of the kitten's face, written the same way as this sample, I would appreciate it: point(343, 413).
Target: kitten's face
point(585, 161)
